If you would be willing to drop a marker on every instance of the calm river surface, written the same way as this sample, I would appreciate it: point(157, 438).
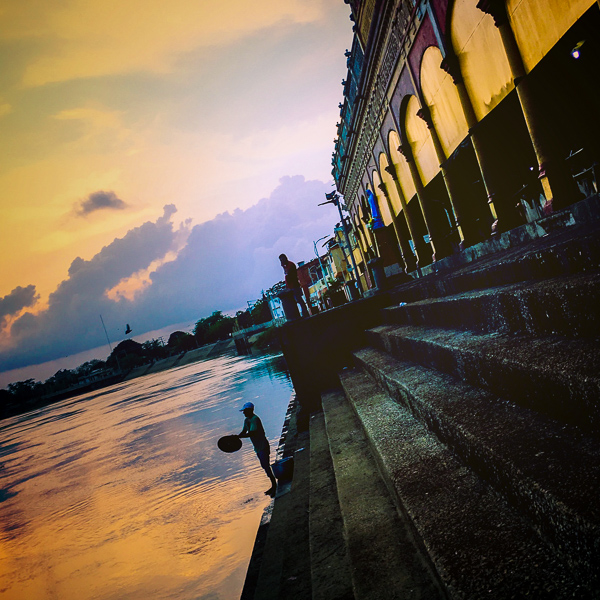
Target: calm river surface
point(123, 494)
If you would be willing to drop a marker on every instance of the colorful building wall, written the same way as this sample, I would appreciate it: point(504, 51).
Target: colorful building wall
point(466, 118)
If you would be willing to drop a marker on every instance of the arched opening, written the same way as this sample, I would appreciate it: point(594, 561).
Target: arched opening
point(503, 139)
point(435, 196)
point(407, 186)
point(563, 54)
point(539, 24)
point(381, 201)
point(420, 142)
point(483, 63)
point(390, 185)
point(401, 232)
point(441, 97)
point(403, 172)
point(447, 115)
point(389, 248)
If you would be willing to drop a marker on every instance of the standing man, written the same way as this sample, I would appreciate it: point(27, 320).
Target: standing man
point(254, 430)
point(292, 283)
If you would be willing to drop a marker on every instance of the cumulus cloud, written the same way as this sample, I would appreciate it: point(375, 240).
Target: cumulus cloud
point(98, 201)
point(17, 300)
point(231, 258)
point(225, 261)
point(71, 322)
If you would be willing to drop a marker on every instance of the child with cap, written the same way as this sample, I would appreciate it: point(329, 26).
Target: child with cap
point(254, 430)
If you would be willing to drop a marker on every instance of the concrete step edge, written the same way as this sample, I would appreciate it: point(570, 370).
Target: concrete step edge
point(554, 375)
point(386, 561)
point(561, 306)
point(330, 565)
point(548, 472)
point(285, 564)
point(480, 546)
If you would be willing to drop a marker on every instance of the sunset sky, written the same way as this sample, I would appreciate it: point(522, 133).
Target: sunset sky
point(155, 154)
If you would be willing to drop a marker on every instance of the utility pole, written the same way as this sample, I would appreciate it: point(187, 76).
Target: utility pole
point(109, 345)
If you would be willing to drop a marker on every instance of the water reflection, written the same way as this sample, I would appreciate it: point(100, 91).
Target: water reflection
point(123, 493)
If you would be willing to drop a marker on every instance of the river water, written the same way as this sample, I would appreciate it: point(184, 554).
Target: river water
point(122, 493)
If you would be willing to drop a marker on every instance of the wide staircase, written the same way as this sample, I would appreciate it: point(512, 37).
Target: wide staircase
point(459, 458)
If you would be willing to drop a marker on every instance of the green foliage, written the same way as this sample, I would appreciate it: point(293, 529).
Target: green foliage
point(214, 328)
point(179, 341)
point(61, 380)
point(155, 350)
point(129, 354)
point(244, 319)
point(333, 286)
point(126, 355)
point(335, 292)
point(89, 367)
point(23, 390)
point(260, 311)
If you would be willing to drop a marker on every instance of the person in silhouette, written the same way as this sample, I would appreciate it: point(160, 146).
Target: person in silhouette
point(254, 430)
point(292, 283)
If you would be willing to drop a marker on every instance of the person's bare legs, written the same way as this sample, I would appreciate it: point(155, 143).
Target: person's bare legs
point(265, 463)
point(271, 491)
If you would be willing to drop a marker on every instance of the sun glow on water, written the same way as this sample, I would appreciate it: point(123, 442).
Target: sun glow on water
point(122, 493)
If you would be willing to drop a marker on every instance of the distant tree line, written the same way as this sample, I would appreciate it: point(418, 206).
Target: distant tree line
point(128, 354)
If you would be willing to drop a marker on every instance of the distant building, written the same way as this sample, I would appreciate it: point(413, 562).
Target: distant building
point(462, 118)
point(306, 274)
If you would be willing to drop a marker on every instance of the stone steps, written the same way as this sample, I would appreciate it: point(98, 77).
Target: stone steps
point(481, 409)
point(549, 471)
point(554, 375)
point(331, 577)
point(386, 561)
point(284, 570)
point(460, 459)
point(568, 251)
point(480, 544)
point(567, 306)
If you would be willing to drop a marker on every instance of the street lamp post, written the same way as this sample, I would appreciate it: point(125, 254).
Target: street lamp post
point(334, 198)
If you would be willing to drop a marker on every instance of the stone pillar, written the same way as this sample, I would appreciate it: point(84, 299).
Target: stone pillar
point(362, 231)
point(358, 234)
point(362, 240)
point(407, 255)
point(423, 251)
point(425, 114)
point(406, 151)
point(451, 66)
point(392, 212)
point(555, 179)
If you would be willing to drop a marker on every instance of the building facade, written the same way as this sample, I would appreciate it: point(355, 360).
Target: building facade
point(465, 118)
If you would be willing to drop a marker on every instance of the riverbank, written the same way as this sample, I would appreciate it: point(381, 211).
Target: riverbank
point(206, 352)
